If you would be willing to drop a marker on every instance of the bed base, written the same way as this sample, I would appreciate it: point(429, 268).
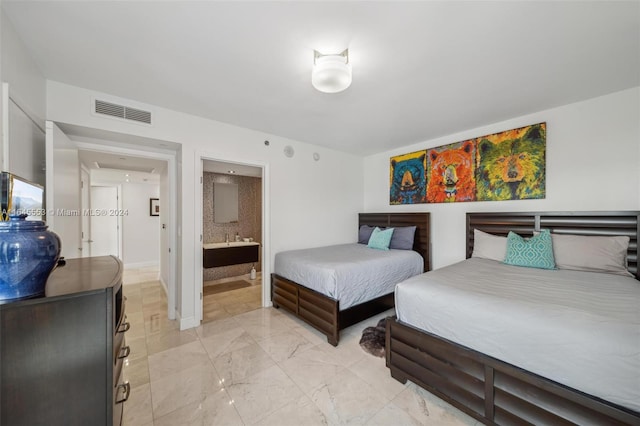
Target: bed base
point(492, 391)
point(320, 311)
point(323, 312)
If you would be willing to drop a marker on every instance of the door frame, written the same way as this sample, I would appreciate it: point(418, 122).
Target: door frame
point(201, 156)
point(85, 203)
point(171, 208)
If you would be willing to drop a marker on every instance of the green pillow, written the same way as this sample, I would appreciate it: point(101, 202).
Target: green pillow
point(379, 239)
point(535, 252)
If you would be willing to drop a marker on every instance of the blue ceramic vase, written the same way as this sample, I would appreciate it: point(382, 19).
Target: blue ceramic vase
point(28, 254)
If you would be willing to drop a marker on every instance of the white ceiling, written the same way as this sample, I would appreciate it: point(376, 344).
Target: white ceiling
point(420, 69)
point(107, 167)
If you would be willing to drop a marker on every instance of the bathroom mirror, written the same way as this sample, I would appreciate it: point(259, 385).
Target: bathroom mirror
point(225, 202)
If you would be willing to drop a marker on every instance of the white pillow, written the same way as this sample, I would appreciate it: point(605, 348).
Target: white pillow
point(489, 246)
point(591, 253)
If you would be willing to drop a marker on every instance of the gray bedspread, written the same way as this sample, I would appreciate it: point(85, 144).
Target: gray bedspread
point(350, 273)
point(581, 329)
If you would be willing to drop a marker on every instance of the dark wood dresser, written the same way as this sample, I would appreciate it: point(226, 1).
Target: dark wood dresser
point(61, 355)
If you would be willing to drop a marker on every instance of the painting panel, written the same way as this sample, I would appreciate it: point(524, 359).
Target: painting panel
point(451, 173)
point(511, 164)
point(408, 178)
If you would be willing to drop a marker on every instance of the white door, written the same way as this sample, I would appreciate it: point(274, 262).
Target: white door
point(104, 223)
point(85, 203)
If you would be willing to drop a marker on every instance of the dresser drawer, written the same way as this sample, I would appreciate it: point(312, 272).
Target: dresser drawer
point(121, 392)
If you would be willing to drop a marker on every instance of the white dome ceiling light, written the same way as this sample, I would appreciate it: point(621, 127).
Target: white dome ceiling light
point(331, 73)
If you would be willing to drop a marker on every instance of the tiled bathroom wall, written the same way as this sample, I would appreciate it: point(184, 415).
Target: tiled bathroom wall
point(249, 223)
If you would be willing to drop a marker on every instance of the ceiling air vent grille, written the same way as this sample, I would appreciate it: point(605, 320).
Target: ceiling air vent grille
point(108, 108)
point(137, 115)
point(121, 111)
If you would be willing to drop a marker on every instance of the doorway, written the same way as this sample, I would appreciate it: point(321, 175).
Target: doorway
point(104, 229)
point(231, 216)
point(72, 141)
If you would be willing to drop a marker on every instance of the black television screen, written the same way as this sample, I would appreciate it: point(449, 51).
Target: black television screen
point(19, 196)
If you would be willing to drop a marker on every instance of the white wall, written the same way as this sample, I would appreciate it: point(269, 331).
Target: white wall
point(26, 145)
point(27, 88)
point(311, 203)
point(21, 72)
point(63, 213)
point(140, 231)
point(593, 163)
point(2, 117)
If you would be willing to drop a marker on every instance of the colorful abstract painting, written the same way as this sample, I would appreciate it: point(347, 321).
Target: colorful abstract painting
point(408, 178)
point(451, 173)
point(511, 164)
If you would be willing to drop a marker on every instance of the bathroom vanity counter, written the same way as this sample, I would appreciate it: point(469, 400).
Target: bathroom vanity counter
point(230, 244)
point(231, 253)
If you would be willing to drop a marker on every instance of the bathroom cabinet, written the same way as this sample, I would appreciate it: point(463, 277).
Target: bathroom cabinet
point(225, 254)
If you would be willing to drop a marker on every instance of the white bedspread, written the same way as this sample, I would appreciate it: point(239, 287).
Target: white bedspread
point(350, 273)
point(581, 329)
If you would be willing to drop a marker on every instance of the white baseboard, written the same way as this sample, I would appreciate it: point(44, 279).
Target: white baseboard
point(187, 323)
point(139, 265)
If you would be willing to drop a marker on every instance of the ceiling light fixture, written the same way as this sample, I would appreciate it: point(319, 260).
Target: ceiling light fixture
point(331, 73)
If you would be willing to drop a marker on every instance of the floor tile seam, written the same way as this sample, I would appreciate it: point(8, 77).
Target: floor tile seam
point(308, 395)
point(364, 422)
point(385, 406)
point(203, 396)
point(206, 394)
point(253, 342)
point(220, 333)
point(179, 372)
point(278, 407)
point(204, 350)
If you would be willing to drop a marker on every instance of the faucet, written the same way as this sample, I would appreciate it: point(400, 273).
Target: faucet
point(226, 238)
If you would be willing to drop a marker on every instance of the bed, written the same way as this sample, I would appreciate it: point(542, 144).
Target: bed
point(466, 363)
point(324, 312)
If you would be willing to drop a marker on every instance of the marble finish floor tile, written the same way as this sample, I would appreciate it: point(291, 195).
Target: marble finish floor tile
point(260, 395)
point(235, 366)
point(169, 339)
point(190, 385)
point(259, 367)
point(285, 345)
point(136, 371)
point(138, 409)
point(226, 341)
point(296, 413)
point(215, 409)
point(347, 399)
point(176, 359)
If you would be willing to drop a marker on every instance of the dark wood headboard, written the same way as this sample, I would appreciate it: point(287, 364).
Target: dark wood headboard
point(626, 223)
point(422, 239)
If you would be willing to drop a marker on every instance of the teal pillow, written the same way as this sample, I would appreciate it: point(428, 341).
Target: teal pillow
point(379, 239)
point(535, 252)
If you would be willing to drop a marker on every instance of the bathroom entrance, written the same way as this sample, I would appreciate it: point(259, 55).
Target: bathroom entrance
point(231, 239)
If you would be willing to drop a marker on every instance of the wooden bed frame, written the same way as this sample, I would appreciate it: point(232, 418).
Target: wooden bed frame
point(323, 312)
point(493, 391)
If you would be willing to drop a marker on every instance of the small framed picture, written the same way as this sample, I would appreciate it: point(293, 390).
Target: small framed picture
point(154, 207)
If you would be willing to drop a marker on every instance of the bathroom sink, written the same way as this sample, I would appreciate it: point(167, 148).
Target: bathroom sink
point(209, 246)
